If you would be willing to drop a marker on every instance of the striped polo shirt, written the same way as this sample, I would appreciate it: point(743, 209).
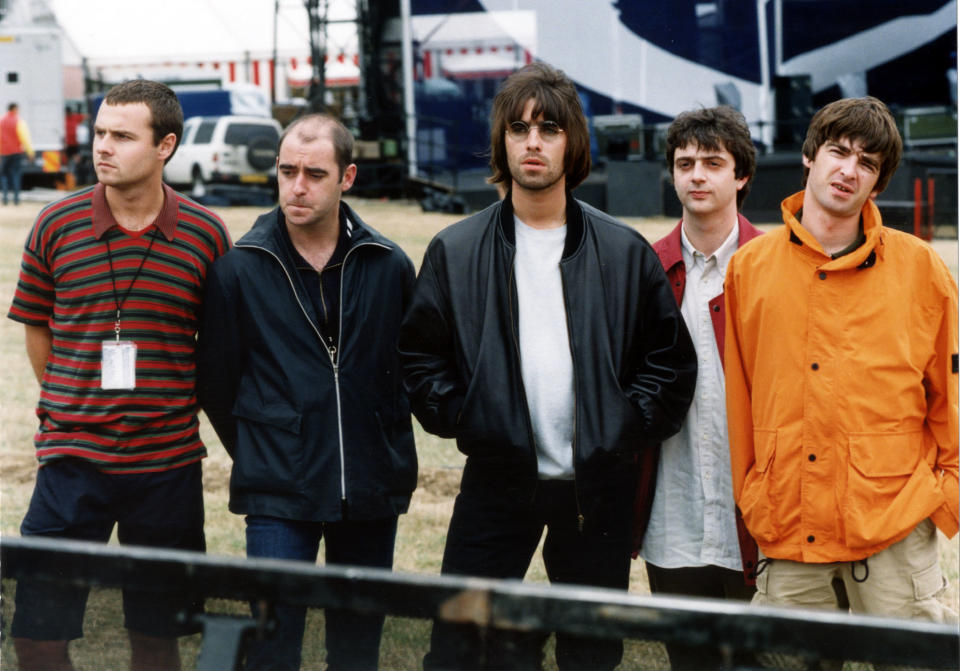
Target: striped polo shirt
point(157, 275)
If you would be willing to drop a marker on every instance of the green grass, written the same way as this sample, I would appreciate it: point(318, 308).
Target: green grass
point(421, 532)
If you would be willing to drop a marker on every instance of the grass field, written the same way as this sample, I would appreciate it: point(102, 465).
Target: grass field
point(421, 532)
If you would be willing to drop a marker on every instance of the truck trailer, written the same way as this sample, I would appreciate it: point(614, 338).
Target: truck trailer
point(31, 75)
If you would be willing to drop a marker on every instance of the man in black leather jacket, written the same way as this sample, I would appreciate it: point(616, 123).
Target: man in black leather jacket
point(299, 375)
point(544, 337)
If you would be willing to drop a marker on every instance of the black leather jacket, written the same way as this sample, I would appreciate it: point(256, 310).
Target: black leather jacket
point(313, 432)
point(634, 364)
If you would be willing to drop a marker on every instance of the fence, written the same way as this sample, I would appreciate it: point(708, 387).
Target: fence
point(807, 636)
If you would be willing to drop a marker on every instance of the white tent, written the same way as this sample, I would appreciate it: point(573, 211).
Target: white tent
point(229, 40)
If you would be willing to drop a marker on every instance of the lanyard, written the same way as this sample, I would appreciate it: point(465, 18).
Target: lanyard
point(113, 276)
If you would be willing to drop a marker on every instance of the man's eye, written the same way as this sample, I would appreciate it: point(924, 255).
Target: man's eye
point(550, 128)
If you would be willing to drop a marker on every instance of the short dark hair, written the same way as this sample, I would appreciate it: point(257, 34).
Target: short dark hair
point(865, 120)
point(166, 115)
point(557, 100)
point(11, 107)
point(340, 135)
point(713, 129)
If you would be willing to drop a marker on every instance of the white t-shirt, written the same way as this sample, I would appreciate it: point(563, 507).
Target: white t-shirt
point(545, 359)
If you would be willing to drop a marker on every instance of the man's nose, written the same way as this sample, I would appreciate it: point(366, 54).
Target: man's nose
point(533, 138)
point(848, 164)
point(300, 183)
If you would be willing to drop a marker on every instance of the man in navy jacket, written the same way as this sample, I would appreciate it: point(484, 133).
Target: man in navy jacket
point(299, 375)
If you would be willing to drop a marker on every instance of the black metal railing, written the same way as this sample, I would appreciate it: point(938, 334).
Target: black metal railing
point(491, 606)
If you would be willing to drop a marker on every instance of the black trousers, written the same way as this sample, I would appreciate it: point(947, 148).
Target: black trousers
point(494, 532)
point(712, 582)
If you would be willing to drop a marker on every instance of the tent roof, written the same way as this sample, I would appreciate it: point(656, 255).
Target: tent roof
point(114, 32)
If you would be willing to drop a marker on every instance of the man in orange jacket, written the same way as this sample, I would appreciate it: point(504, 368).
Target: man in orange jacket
point(841, 371)
point(14, 144)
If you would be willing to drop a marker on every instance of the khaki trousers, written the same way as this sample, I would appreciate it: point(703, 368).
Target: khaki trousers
point(903, 580)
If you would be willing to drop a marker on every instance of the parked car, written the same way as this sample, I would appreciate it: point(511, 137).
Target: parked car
point(225, 150)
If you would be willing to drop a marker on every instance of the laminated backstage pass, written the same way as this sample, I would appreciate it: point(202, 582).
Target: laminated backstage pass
point(118, 365)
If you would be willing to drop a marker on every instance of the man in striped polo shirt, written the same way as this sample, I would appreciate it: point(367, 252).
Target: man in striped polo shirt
point(109, 294)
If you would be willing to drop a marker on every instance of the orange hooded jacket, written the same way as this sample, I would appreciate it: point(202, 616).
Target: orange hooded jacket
point(841, 390)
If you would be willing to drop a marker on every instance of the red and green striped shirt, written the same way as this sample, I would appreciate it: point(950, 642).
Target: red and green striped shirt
point(66, 283)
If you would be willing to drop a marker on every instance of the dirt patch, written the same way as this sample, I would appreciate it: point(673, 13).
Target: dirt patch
point(216, 474)
point(18, 468)
point(439, 483)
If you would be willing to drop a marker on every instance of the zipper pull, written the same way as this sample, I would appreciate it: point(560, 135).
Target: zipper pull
point(580, 522)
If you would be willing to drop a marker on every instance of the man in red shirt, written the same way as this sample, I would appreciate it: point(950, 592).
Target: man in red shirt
point(14, 144)
point(109, 296)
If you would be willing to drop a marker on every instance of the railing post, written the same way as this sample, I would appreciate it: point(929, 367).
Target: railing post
point(917, 207)
point(223, 637)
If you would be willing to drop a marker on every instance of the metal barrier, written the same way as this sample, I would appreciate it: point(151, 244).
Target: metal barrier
point(489, 605)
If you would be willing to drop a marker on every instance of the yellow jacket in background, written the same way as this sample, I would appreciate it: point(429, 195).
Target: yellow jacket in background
point(14, 136)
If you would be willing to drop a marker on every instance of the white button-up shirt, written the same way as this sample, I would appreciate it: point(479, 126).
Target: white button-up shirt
point(692, 521)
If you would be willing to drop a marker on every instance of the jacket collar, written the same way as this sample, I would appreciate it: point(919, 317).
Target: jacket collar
point(166, 221)
point(670, 249)
point(575, 224)
point(268, 234)
point(863, 257)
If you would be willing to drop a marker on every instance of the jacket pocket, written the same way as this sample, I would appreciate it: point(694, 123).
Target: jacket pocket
point(268, 458)
point(889, 487)
point(757, 501)
point(279, 415)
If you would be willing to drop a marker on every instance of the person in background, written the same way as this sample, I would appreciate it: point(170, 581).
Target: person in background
point(543, 336)
point(300, 377)
point(687, 529)
point(841, 370)
point(14, 146)
point(109, 295)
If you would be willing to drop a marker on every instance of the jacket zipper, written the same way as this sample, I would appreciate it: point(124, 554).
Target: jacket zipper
point(335, 360)
point(576, 398)
point(516, 345)
point(331, 351)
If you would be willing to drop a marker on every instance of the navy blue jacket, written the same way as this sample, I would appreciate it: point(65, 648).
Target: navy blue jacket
point(315, 434)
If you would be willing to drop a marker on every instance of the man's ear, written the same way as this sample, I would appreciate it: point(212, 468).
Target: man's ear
point(349, 175)
point(166, 146)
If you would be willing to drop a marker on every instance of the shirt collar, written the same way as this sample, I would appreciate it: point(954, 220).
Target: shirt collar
point(722, 253)
point(166, 221)
point(344, 238)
